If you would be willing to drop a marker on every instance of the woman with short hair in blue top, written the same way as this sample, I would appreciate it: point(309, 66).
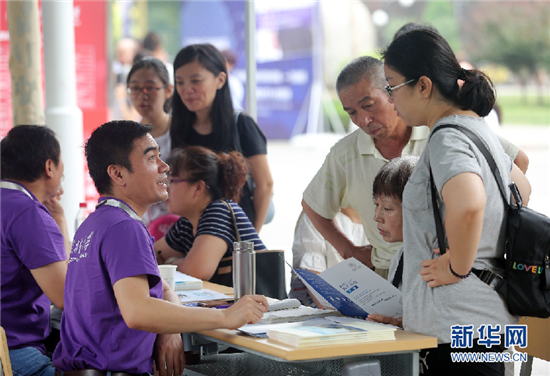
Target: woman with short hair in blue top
point(202, 187)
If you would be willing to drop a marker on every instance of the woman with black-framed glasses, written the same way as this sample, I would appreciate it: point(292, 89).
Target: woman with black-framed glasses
point(202, 188)
point(442, 295)
point(149, 89)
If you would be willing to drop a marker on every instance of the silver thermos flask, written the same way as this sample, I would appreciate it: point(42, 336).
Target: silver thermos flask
point(244, 269)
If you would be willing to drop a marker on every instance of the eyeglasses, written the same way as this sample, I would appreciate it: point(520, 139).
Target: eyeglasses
point(391, 89)
point(172, 181)
point(136, 90)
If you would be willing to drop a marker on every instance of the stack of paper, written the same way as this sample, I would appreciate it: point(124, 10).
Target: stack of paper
point(333, 334)
point(202, 295)
point(186, 282)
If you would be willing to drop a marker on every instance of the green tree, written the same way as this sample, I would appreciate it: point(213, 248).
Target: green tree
point(514, 34)
point(164, 18)
point(441, 15)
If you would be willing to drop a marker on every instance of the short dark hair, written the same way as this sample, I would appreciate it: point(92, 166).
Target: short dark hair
point(224, 173)
point(412, 26)
point(111, 144)
point(423, 52)
point(221, 113)
point(152, 41)
point(393, 176)
point(150, 62)
point(229, 56)
point(25, 150)
point(364, 67)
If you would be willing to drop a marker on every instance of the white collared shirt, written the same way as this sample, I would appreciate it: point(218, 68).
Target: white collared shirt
point(345, 180)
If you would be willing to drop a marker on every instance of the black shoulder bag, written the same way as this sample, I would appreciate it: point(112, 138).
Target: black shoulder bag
point(270, 268)
point(526, 284)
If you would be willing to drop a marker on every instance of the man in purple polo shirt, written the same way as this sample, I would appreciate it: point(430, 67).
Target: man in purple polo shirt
point(33, 249)
point(115, 299)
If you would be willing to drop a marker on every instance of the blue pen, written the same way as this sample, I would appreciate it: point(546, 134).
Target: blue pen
point(223, 306)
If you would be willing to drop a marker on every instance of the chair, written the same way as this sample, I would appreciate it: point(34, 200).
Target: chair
point(538, 331)
point(5, 354)
point(160, 226)
point(270, 273)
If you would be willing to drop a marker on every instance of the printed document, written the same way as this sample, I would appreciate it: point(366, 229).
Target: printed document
point(354, 290)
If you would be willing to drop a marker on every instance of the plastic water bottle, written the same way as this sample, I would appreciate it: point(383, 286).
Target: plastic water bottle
point(244, 269)
point(81, 215)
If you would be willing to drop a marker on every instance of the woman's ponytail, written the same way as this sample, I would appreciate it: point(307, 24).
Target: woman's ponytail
point(477, 93)
point(232, 171)
point(224, 174)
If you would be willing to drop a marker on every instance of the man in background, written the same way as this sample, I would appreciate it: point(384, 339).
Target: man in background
point(236, 87)
point(346, 177)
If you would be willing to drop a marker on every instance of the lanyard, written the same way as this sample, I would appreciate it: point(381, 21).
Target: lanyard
point(121, 205)
point(15, 187)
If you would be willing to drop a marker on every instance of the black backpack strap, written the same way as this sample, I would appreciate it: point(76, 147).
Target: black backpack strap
point(494, 280)
point(483, 149)
point(398, 273)
point(440, 230)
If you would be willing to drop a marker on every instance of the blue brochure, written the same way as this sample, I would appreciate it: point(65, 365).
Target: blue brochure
point(338, 300)
point(354, 290)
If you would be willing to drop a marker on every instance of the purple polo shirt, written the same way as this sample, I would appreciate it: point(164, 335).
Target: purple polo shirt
point(110, 245)
point(30, 239)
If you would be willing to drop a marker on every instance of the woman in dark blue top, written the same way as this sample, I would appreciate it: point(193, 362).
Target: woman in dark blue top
point(201, 186)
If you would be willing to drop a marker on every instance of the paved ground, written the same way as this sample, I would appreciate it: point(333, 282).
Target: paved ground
point(294, 163)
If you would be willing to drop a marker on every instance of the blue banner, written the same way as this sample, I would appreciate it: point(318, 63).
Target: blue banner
point(284, 53)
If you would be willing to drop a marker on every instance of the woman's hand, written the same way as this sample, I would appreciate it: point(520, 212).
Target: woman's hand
point(437, 272)
point(381, 319)
point(164, 252)
point(465, 199)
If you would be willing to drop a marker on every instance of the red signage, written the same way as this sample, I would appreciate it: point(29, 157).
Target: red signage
point(92, 73)
point(5, 79)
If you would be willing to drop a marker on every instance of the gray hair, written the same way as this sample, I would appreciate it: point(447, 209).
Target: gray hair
point(364, 67)
point(393, 176)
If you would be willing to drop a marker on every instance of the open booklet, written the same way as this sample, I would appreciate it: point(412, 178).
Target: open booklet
point(354, 290)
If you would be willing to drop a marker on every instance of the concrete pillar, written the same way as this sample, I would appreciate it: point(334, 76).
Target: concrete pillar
point(24, 63)
point(62, 113)
point(250, 32)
